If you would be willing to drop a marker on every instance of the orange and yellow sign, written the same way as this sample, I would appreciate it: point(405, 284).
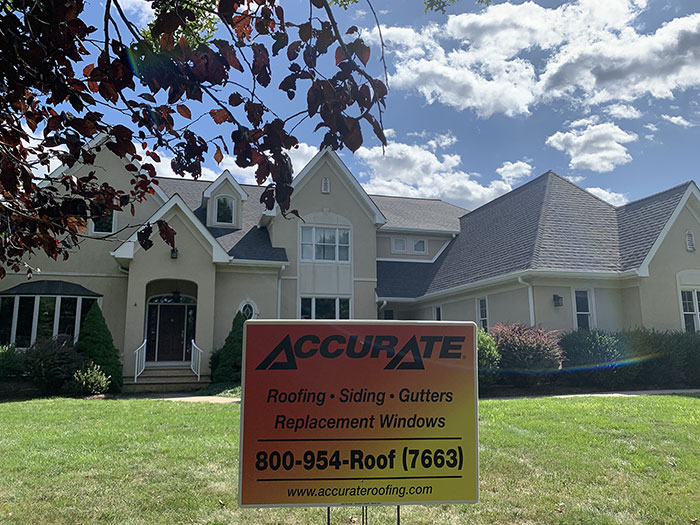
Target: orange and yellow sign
point(358, 412)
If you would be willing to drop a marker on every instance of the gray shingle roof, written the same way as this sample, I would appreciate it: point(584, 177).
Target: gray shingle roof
point(250, 241)
point(433, 214)
point(547, 224)
point(50, 288)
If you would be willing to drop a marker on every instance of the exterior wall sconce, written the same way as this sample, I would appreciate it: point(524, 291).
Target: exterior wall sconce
point(173, 253)
point(558, 300)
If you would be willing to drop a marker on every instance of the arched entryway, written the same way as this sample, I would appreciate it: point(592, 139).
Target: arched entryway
point(171, 318)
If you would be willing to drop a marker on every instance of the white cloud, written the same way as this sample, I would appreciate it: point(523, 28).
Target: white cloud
point(623, 111)
point(677, 120)
point(598, 148)
point(509, 57)
point(611, 197)
point(140, 10)
point(415, 171)
point(435, 140)
point(651, 127)
point(513, 172)
point(587, 121)
point(576, 179)
point(300, 157)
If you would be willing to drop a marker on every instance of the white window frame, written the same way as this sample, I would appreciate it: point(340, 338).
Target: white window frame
point(248, 300)
point(413, 246)
point(477, 307)
point(337, 305)
point(696, 306)
point(313, 244)
point(216, 220)
point(437, 313)
point(592, 319)
point(113, 229)
point(56, 318)
point(394, 249)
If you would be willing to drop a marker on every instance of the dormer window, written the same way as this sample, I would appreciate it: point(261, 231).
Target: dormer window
point(104, 224)
point(224, 210)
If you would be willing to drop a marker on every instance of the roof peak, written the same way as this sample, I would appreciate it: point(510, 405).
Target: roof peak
point(677, 186)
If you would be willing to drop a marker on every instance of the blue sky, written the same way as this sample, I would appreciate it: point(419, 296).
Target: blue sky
point(483, 99)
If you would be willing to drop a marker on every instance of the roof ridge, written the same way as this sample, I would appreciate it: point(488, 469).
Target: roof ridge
point(509, 193)
point(534, 257)
point(686, 183)
point(564, 179)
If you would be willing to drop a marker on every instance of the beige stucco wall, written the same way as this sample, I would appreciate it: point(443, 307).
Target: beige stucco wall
point(549, 316)
point(194, 264)
point(435, 244)
point(341, 207)
point(235, 286)
point(660, 298)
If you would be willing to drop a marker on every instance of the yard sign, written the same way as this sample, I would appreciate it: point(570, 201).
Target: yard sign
point(358, 412)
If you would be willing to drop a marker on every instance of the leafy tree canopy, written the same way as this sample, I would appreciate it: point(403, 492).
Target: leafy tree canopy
point(60, 76)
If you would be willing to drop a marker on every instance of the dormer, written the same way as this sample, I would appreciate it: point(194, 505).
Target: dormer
point(223, 199)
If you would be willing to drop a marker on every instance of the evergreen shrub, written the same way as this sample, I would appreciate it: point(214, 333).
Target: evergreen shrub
point(226, 362)
point(489, 358)
point(96, 344)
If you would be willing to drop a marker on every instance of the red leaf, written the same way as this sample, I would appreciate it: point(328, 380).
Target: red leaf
point(351, 29)
point(166, 233)
point(88, 69)
point(144, 236)
point(218, 156)
point(353, 137)
point(184, 111)
point(340, 56)
point(229, 54)
point(362, 52)
point(131, 167)
point(293, 50)
point(220, 116)
point(305, 31)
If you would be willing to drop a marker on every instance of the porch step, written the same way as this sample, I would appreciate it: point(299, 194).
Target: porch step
point(134, 388)
point(162, 371)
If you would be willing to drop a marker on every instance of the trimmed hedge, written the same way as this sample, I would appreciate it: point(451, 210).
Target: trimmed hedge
point(631, 359)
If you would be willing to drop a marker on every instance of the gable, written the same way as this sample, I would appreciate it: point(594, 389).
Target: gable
point(327, 164)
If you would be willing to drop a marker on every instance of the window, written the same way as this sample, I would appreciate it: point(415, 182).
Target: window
point(224, 210)
point(690, 241)
point(388, 314)
point(691, 319)
point(420, 246)
point(24, 318)
point(248, 308)
point(483, 313)
point(104, 224)
point(583, 310)
point(325, 185)
point(438, 313)
point(325, 244)
point(325, 308)
point(398, 245)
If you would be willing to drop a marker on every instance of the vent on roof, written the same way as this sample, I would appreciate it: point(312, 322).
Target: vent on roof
point(689, 241)
point(325, 185)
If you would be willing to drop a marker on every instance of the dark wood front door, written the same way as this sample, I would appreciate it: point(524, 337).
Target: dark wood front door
point(171, 332)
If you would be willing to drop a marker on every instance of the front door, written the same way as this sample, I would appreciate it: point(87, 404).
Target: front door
point(171, 332)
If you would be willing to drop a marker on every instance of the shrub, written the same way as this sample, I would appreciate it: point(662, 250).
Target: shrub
point(527, 354)
point(595, 358)
point(11, 361)
point(96, 344)
point(51, 364)
point(226, 362)
point(489, 358)
point(91, 380)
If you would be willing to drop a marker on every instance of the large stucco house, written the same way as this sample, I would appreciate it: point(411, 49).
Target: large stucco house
point(548, 253)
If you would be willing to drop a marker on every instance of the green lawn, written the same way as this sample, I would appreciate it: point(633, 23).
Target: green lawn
point(592, 460)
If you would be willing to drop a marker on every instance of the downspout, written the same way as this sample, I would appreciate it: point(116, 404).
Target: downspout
point(530, 300)
point(279, 291)
point(382, 306)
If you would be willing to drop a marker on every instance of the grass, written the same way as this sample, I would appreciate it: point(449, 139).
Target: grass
point(593, 460)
